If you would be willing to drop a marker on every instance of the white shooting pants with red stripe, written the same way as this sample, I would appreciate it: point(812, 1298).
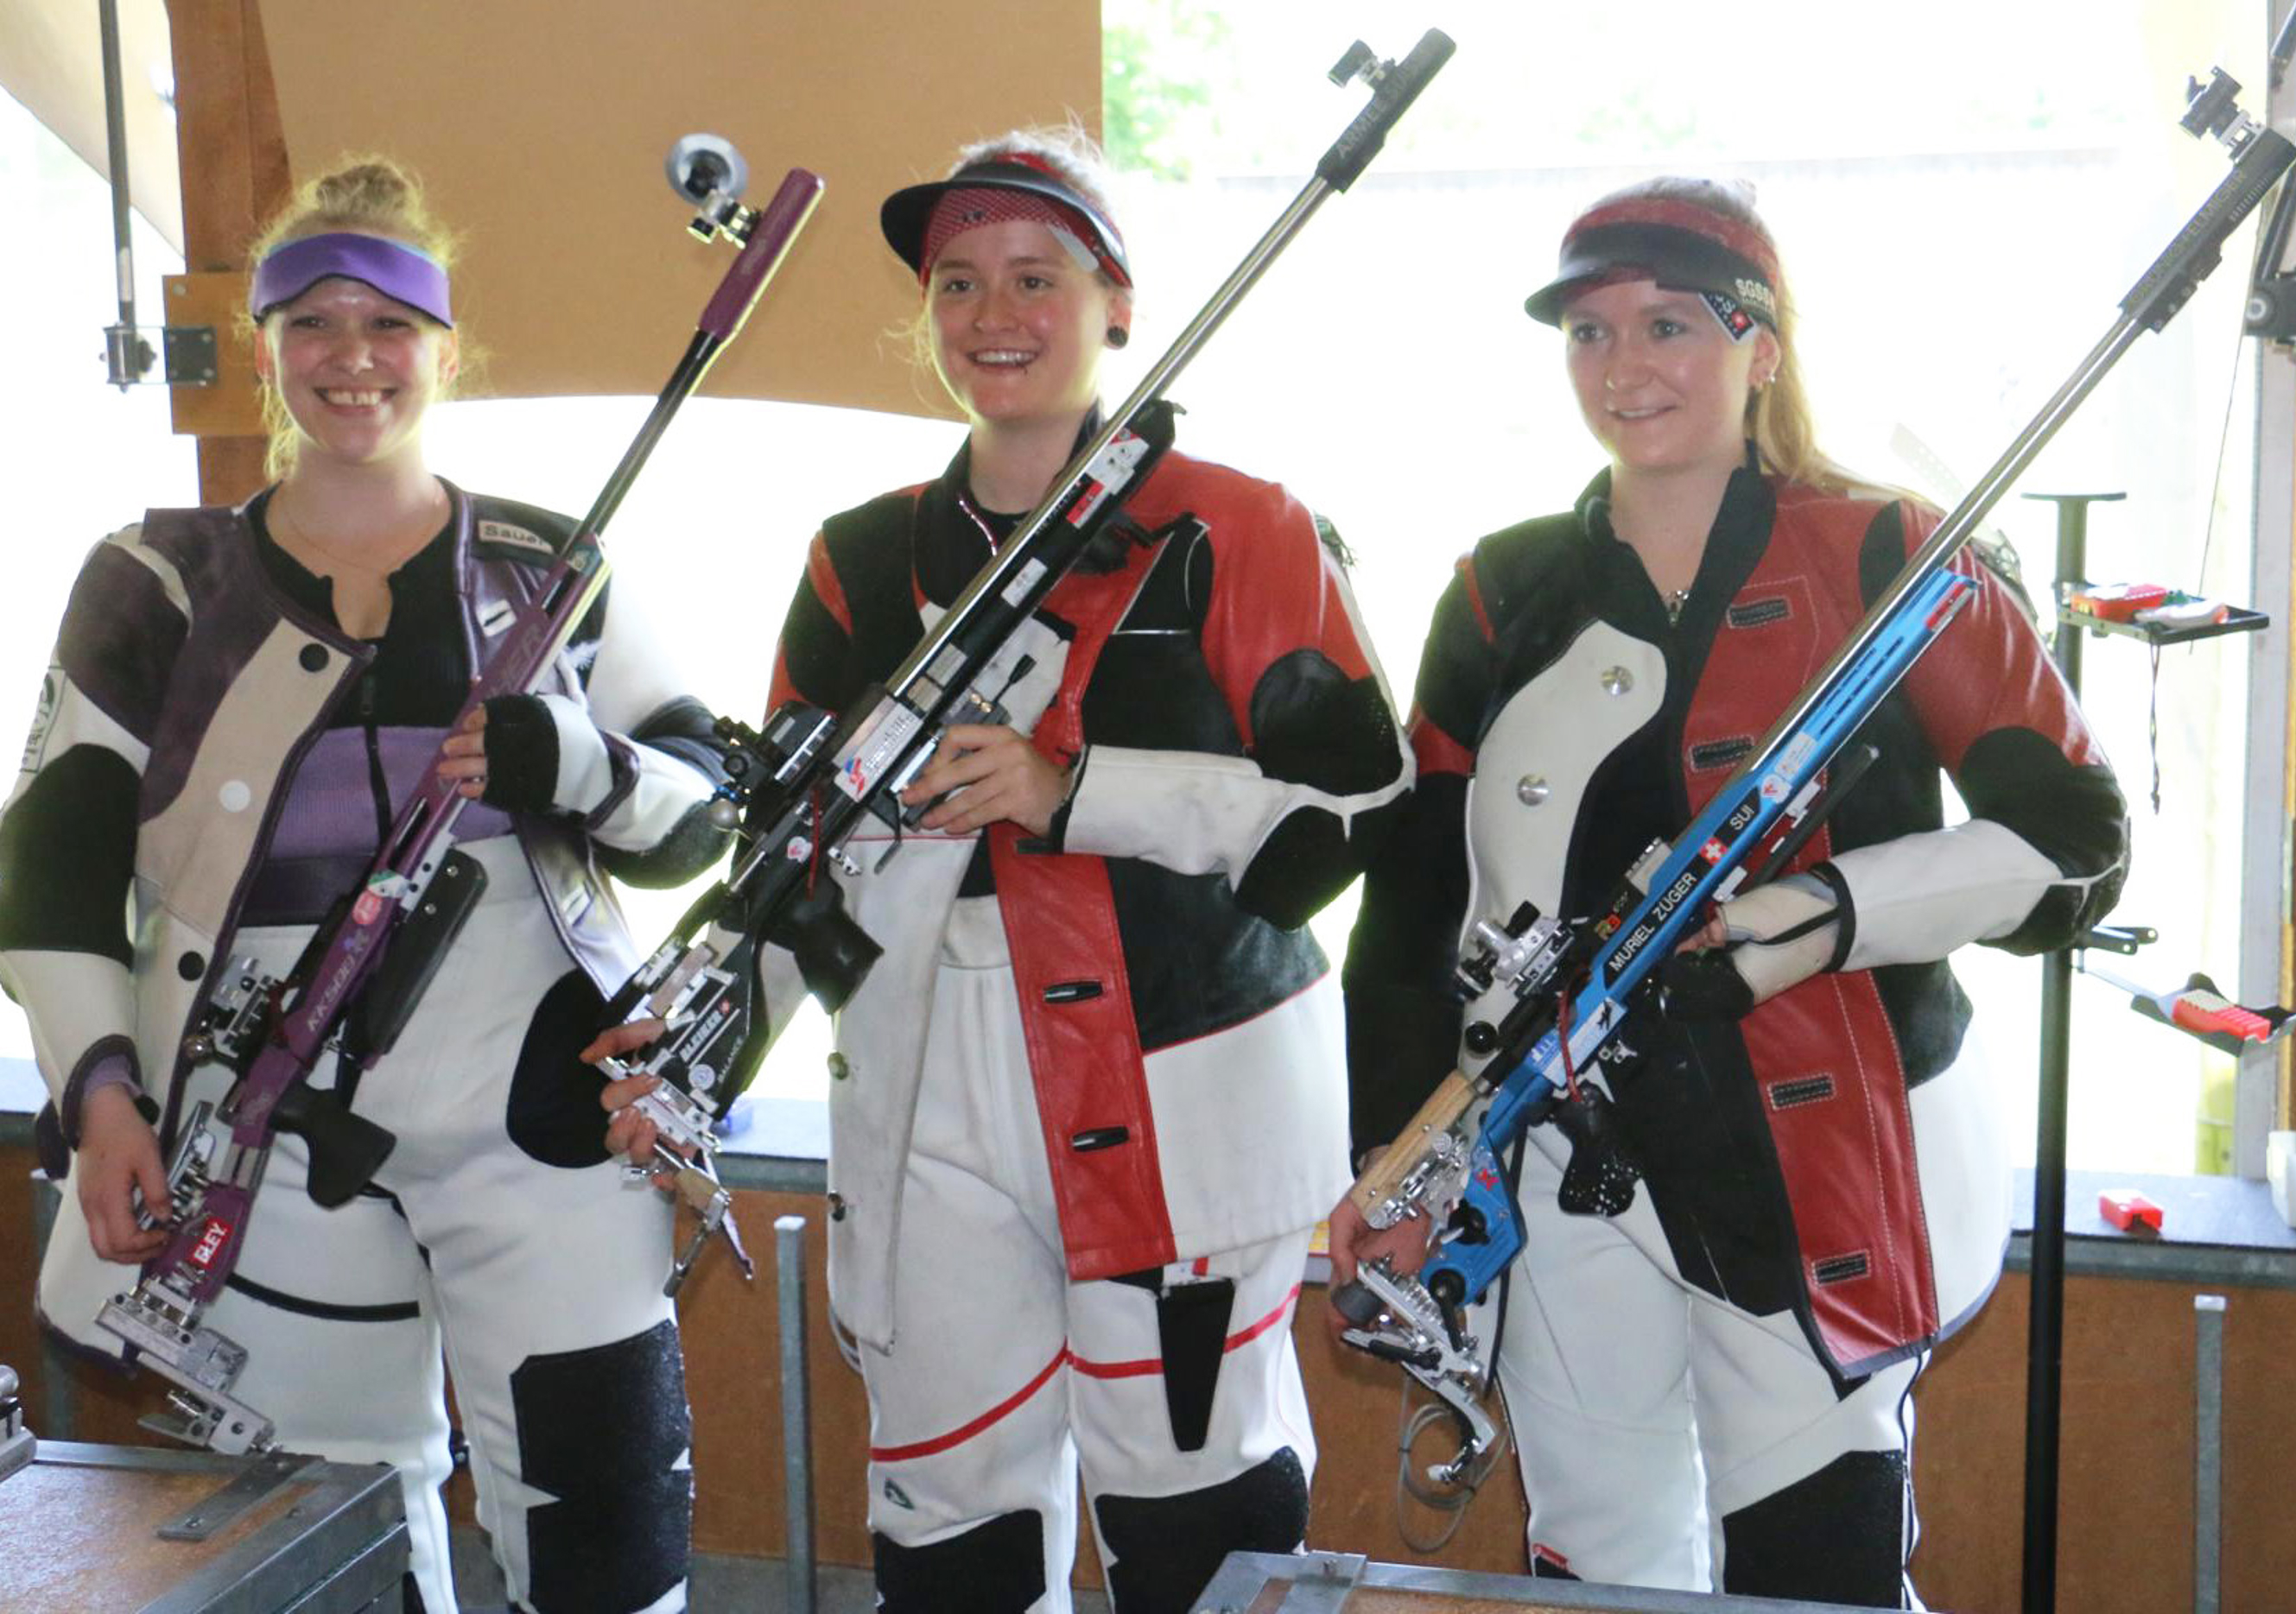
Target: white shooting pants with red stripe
point(1004, 1376)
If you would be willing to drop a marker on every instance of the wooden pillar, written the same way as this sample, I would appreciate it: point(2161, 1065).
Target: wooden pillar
point(233, 160)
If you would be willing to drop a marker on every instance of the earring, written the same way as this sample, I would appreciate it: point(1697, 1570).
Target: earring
point(1118, 336)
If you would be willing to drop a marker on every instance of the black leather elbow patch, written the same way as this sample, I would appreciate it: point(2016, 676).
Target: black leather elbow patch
point(687, 730)
point(2072, 814)
point(1312, 724)
point(1301, 866)
point(67, 854)
point(1415, 896)
point(691, 847)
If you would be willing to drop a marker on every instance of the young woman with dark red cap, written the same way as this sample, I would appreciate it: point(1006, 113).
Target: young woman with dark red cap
point(1090, 1102)
point(1711, 1389)
point(241, 697)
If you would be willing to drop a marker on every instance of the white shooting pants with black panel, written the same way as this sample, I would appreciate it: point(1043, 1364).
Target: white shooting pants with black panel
point(1650, 1416)
point(1005, 1377)
point(541, 1284)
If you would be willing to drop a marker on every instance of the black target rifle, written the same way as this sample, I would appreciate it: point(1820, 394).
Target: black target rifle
point(1572, 983)
point(357, 983)
point(809, 779)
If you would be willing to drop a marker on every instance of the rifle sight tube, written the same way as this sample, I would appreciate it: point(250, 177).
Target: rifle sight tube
point(2188, 260)
point(770, 236)
point(1391, 97)
point(2239, 194)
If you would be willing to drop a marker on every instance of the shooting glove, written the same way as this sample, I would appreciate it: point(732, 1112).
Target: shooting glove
point(543, 755)
point(1781, 934)
point(1910, 900)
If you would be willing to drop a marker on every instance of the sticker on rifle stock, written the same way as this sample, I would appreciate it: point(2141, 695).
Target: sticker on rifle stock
point(379, 889)
point(1016, 593)
point(212, 1238)
point(877, 749)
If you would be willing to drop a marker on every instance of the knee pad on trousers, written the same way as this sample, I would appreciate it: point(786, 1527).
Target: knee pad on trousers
point(1836, 1536)
point(997, 1568)
point(1547, 1564)
point(1164, 1550)
point(601, 1430)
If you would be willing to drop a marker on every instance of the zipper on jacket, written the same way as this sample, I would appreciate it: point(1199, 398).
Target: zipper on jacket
point(378, 782)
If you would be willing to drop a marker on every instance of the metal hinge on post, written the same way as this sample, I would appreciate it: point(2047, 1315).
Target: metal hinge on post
point(186, 356)
point(187, 353)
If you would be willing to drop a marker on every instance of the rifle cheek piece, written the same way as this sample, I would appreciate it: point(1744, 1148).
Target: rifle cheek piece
point(834, 953)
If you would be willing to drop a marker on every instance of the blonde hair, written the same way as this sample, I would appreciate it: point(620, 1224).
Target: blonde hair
point(1066, 148)
point(1070, 152)
point(369, 195)
point(1778, 418)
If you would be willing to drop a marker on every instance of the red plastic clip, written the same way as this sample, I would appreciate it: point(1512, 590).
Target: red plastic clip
point(2125, 1208)
point(2199, 1010)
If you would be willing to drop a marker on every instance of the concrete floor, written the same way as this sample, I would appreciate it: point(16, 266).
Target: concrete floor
point(721, 1585)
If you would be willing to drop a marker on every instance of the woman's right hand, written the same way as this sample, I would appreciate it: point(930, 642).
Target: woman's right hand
point(628, 1133)
point(120, 1152)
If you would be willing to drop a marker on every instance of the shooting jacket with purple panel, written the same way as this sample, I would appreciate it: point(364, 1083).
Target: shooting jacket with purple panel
point(189, 699)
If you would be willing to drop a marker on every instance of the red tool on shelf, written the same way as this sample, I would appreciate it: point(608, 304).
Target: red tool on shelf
point(2199, 1008)
point(2129, 1210)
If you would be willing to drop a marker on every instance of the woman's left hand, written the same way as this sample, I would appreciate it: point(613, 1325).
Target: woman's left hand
point(1002, 776)
point(465, 755)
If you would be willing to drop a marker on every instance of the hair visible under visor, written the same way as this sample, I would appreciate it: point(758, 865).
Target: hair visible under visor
point(1709, 223)
point(1685, 234)
point(1005, 182)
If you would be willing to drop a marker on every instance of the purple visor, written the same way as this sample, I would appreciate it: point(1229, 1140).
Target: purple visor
point(392, 267)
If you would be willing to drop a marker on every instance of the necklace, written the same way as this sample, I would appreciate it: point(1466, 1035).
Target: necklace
point(1674, 602)
point(398, 555)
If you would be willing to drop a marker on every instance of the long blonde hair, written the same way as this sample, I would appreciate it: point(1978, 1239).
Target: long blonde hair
point(1778, 418)
point(374, 196)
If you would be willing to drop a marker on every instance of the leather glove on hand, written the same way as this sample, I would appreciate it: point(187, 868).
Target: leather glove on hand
point(1775, 936)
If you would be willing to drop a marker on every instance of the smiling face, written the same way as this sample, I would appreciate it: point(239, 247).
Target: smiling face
point(1018, 326)
point(1661, 385)
point(355, 369)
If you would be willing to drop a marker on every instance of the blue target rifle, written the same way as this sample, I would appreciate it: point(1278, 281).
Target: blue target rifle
point(1575, 982)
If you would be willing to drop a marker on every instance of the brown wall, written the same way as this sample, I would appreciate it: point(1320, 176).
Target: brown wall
point(543, 147)
point(541, 133)
point(2128, 1465)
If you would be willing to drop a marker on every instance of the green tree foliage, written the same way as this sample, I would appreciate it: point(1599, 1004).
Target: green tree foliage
point(1161, 60)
